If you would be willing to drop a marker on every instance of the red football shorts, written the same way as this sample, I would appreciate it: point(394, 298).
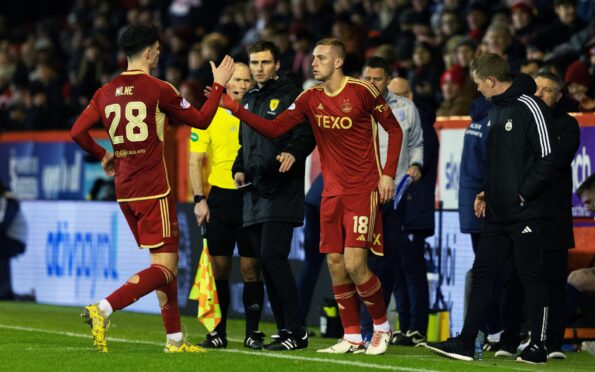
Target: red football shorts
point(153, 222)
point(351, 221)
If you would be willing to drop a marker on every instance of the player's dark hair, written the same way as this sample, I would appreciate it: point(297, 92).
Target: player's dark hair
point(338, 44)
point(378, 62)
point(137, 37)
point(263, 46)
point(490, 64)
point(551, 76)
point(587, 185)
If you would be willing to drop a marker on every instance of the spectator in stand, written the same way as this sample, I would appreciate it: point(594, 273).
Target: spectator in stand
point(477, 17)
point(450, 25)
point(453, 102)
point(578, 81)
point(561, 30)
point(523, 25)
point(531, 67)
point(212, 48)
point(499, 41)
point(533, 51)
point(425, 76)
point(464, 54)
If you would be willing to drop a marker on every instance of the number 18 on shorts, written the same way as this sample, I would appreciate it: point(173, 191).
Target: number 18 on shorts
point(351, 221)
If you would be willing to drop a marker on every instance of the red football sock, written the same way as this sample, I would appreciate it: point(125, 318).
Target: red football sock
point(372, 295)
point(149, 279)
point(348, 304)
point(170, 311)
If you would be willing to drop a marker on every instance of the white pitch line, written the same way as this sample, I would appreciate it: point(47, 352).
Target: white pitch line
point(264, 354)
point(235, 351)
point(323, 360)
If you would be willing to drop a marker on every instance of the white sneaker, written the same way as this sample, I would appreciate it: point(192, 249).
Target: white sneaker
point(588, 346)
point(379, 343)
point(556, 355)
point(344, 347)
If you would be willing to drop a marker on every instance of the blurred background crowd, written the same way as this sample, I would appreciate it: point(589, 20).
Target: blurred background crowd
point(54, 55)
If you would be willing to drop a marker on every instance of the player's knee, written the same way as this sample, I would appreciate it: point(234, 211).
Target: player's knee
point(334, 260)
point(250, 269)
point(355, 269)
point(162, 297)
point(250, 274)
point(134, 279)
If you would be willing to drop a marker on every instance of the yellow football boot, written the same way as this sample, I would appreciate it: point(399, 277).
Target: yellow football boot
point(99, 325)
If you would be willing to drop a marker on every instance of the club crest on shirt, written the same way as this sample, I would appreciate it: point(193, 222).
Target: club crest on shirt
point(508, 125)
point(184, 104)
point(346, 106)
point(273, 104)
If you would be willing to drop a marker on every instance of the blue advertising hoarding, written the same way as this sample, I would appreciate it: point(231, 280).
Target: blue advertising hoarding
point(48, 170)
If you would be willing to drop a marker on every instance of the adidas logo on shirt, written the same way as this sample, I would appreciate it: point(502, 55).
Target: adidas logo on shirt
point(526, 230)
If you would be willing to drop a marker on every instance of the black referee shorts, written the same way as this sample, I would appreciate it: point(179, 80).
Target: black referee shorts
point(225, 228)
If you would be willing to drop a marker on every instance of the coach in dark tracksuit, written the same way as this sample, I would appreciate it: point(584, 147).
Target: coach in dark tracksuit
point(274, 203)
point(558, 233)
point(516, 199)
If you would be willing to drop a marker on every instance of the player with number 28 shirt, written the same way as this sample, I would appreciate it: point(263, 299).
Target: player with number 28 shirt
point(133, 108)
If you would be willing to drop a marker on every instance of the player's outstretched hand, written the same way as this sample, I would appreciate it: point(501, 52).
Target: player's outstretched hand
point(286, 160)
point(108, 164)
point(479, 205)
point(223, 72)
point(386, 188)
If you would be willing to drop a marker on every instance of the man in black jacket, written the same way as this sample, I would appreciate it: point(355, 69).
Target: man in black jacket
point(557, 233)
point(272, 173)
point(514, 202)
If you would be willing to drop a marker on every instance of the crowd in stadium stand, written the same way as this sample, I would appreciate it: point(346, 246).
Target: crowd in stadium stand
point(50, 68)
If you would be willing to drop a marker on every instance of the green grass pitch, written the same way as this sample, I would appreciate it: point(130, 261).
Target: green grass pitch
point(37, 337)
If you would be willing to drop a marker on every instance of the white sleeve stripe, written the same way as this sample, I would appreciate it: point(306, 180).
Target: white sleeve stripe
point(541, 127)
point(540, 122)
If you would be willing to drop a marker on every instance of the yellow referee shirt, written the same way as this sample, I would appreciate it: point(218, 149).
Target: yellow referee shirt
point(220, 140)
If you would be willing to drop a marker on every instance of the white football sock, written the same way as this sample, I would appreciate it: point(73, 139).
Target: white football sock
point(105, 308)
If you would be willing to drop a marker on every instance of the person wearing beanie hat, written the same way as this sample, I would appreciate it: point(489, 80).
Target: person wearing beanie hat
point(451, 84)
point(577, 80)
